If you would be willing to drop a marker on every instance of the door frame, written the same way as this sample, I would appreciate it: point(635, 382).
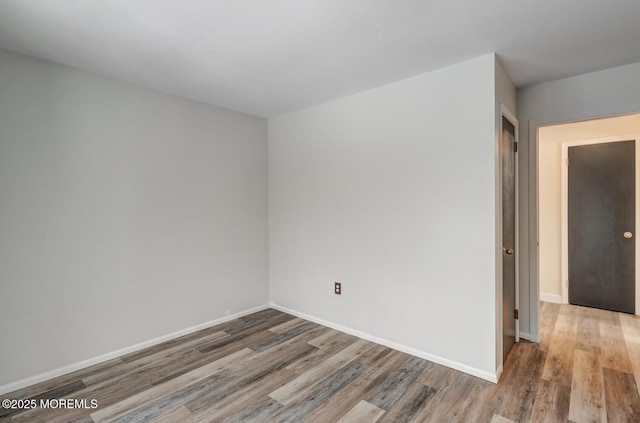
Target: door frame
point(531, 174)
point(507, 114)
point(564, 207)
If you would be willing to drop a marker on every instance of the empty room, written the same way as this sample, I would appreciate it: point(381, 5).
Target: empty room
point(319, 211)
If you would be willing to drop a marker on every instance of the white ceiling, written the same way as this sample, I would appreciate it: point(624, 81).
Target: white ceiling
point(269, 57)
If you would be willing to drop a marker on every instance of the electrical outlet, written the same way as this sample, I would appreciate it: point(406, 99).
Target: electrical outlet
point(337, 288)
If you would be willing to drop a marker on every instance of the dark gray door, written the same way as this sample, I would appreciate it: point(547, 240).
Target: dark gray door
point(508, 237)
point(601, 224)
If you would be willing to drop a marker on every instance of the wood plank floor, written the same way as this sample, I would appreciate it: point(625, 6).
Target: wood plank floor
point(273, 367)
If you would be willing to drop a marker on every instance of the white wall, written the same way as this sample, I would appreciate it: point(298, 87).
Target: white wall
point(550, 141)
point(392, 192)
point(506, 93)
point(550, 219)
point(609, 92)
point(125, 215)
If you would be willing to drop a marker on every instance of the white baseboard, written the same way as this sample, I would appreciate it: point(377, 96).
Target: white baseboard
point(551, 298)
point(399, 347)
point(127, 350)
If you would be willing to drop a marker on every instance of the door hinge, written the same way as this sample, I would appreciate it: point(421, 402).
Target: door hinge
point(515, 147)
point(516, 314)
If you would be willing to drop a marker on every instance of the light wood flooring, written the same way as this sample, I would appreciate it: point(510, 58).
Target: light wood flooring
point(273, 367)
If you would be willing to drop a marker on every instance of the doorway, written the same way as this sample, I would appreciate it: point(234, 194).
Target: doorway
point(509, 200)
point(553, 275)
